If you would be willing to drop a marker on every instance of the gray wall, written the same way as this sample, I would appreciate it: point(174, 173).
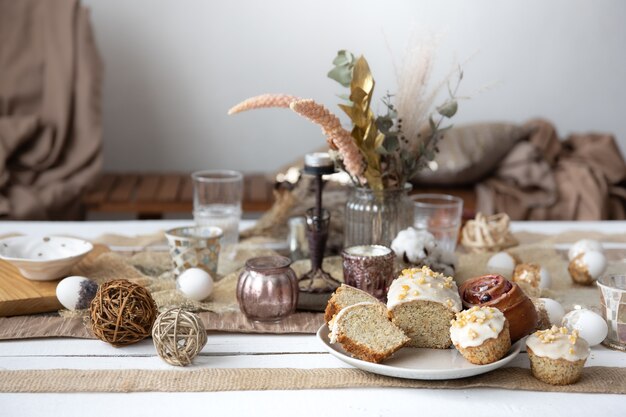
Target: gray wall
point(174, 67)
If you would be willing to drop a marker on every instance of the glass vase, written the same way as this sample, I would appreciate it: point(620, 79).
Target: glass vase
point(375, 217)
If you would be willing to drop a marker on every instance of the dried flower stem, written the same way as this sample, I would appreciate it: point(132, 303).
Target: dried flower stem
point(263, 101)
point(338, 138)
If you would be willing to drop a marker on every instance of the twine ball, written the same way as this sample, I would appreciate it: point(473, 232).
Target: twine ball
point(122, 313)
point(178, 336)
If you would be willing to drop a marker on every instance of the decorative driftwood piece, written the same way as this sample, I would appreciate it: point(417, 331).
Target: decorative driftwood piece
point(488, 233)
point(178, 336)
point(122, 313)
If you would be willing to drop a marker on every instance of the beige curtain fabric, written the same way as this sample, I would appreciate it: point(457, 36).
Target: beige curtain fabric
point(543, 178)
point(50, 126)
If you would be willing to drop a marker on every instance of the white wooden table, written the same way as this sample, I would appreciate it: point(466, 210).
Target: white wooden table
point(272, 351)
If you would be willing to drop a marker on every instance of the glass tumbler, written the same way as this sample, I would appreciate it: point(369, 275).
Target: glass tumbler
point(440, 214)
point(217, 196)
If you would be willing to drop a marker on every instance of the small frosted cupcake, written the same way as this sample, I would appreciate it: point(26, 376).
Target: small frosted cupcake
point(481, 334)
point(556, 355)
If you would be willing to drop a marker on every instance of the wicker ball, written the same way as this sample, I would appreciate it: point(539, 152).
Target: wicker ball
point(178, 336)
point(122, 313)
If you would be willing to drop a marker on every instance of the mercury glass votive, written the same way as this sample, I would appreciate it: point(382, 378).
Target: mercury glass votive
point(369, 268)
point(267, 289)
point(613, 300)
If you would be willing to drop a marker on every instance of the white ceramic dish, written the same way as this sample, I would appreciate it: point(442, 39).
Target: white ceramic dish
point(43, 258)
point(417, 363)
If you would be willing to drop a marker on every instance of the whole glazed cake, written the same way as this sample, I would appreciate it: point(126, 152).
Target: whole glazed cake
point(556, 355)
point(422, 302)
point(481, 334)
point(506, 296)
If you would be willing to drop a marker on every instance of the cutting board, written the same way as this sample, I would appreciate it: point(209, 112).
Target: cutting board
point(19, 295)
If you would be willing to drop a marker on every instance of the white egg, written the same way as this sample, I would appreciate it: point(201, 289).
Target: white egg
point(195, 283)
point(554, 309)
point(590, 326)
point(545, 281)
point(501, 263)
point(595, 262)
point(75, 292)
point(584, 245)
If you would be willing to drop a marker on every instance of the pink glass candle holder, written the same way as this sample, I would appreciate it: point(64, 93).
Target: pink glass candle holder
point(267, 289)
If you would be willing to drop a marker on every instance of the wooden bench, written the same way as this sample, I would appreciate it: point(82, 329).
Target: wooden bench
point(151, 195)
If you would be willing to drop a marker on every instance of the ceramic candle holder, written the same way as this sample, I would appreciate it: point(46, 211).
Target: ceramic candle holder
point(369, 268)
point(195, 247)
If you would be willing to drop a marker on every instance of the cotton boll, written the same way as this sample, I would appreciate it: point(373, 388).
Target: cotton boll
point(590, 325)
point(411, 245)
point(195, 283)
point(502, 263)
point(76, 292)
point(554, 310)
point(582, 246)
point(419, 247)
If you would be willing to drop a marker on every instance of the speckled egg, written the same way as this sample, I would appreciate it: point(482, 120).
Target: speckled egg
point(502, 263)
point(587, 267)
point(75, 292)
point(195, 283)
point(554, 309)
point(582, 246)
point(590, 326)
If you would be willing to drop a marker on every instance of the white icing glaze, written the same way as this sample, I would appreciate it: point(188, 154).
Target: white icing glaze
point(334, 328)
point(558, 343)
point(473, 327)
point(424, 284)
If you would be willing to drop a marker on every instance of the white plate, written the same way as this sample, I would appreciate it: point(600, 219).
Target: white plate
point(418, 363)
point(43, 258)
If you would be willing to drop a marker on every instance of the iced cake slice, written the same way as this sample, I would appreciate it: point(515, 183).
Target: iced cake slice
point(345, 296)
point(422, 303)
point(365, 332)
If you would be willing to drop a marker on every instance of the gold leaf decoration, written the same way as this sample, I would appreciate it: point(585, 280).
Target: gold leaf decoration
point(364, 131)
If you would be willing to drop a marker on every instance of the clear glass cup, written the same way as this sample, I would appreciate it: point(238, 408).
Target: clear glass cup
point(217, 196)
point(440, 214)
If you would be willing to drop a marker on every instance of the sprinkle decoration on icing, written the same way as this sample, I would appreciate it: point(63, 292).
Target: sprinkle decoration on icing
point(558, 343)
point(473, 327)
point(424, 284)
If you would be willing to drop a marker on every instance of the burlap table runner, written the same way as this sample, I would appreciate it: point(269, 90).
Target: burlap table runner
point(221, 312)
point(594, 380)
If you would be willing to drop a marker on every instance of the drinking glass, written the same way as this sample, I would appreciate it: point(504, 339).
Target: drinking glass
point(440, 214)
point(217, 196)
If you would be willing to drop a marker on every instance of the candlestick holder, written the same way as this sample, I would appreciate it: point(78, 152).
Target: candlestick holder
point(318, 221)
